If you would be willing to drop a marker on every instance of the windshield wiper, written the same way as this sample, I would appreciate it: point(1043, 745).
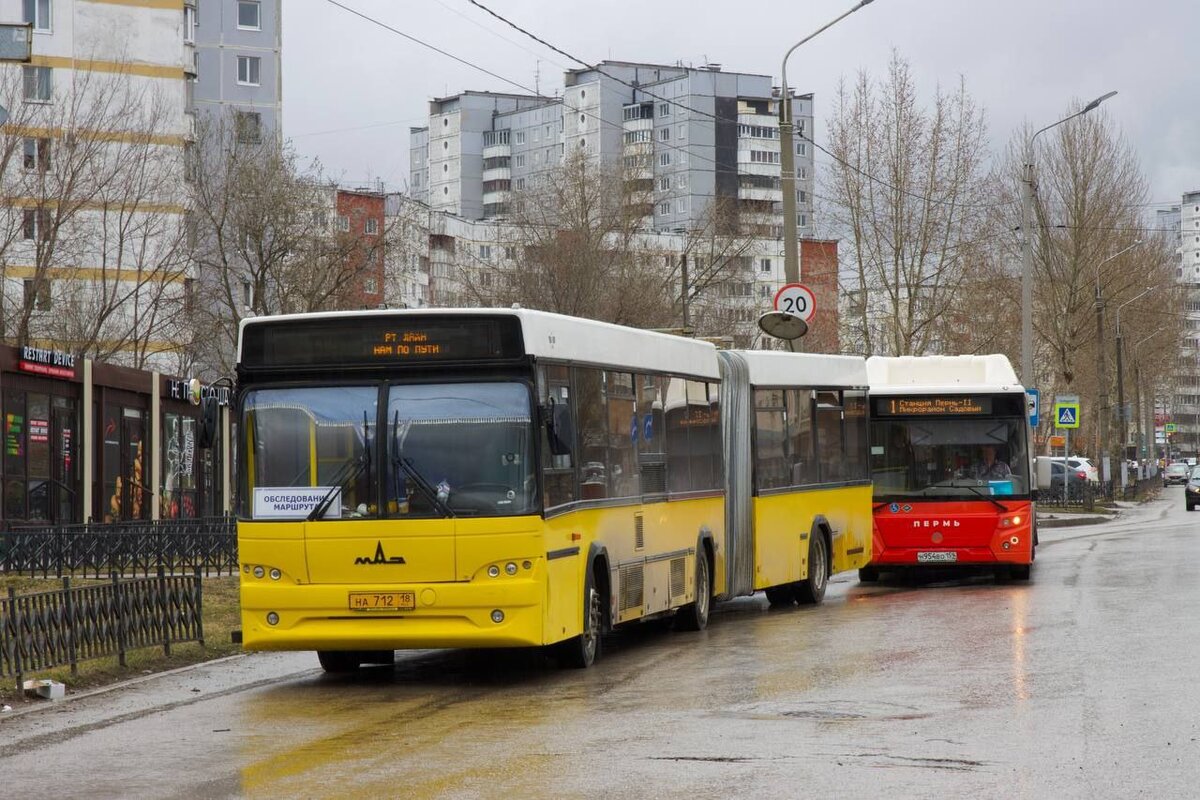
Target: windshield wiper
point(975, 489)
point(405, 464)
point(348, 473)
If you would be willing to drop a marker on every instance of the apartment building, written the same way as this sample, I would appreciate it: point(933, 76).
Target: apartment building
point(1181, 226)
point(685, 138)
point(236, 68)
point(94, 197)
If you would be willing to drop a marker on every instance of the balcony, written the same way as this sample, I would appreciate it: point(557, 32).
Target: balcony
point(497, 151)
point(496, 174)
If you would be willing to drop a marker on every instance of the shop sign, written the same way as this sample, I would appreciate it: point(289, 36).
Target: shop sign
point(193, 391)
point(41, 361)
point(39, 430)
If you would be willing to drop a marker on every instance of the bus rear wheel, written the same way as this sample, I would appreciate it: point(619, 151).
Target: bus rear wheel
point(811, 590)
point(694, 616)
point(1020, 572)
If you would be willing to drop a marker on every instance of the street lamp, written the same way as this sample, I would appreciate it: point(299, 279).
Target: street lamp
point(791, 260)
point(1121, 381)
point(1142, 427)
point(1101, 372)
point(1027, 244)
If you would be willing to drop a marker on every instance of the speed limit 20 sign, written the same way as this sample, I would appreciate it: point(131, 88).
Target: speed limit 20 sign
point(797, 299)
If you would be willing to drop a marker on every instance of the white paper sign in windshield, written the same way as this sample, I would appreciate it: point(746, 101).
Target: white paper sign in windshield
point(294, 502)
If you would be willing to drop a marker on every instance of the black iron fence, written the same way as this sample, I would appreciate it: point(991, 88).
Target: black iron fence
point(48, 629)
point(127, 548)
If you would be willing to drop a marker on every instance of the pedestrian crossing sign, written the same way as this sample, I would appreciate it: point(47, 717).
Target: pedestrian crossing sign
point(1066, 415)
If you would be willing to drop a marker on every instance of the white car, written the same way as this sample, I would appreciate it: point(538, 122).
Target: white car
point(1085, 464)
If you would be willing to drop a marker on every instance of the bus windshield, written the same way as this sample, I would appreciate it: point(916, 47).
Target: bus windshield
point(460, 449)
point(451, 449)
point(949, 458)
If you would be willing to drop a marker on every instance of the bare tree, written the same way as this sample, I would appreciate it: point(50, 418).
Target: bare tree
point(268, 235)
point(908, 227)
point(92, 222)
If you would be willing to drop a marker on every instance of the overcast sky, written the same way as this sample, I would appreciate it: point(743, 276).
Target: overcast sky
point(351, 89)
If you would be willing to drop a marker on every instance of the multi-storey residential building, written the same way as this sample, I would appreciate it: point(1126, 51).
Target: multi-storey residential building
point(685, 138)
point(1181, 226)
point(95, 195)
point(360, 219)
point(236, 69)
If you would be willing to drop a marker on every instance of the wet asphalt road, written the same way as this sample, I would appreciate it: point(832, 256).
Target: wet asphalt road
point(1082, 683)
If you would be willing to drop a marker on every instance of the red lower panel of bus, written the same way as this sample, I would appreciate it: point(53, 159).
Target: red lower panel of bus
point(953, 532)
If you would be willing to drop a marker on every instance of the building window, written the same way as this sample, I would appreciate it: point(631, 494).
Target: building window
point(250, 15)
point(485, 252)
point(764, 265)
point(664, 159)
point(36, 155)
point(248, 70)
point(247, 295)
point(664, 134)
point(343, 223)
point(763, 157)
point(37, 13)
point(520, 137)
point(519, 160)
point(370, 286)
point(248, 125)
point(664, 207)
point(189, 24)
point(372, 228)
point(39, 298)
point(510, 253)
point(37, 84)
point(35, 224)
point(664, 184)
point(664, 109)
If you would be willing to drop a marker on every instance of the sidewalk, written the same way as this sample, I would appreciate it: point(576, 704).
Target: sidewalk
point(1064, 519)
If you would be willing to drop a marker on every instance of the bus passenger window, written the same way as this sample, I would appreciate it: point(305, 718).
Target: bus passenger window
point(558, 469)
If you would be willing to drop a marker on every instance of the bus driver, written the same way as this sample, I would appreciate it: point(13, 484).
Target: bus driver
point(988, 468)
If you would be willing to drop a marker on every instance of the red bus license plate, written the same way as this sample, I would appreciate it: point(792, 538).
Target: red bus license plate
point(383, 601)
point(937, 556)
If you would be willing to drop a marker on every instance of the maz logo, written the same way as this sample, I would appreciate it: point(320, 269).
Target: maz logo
point(379, 558)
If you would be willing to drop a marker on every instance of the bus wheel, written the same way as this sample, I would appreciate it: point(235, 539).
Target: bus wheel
point(339, 660)
point(581, 651)
point(868, 575)
point(780, 596)
point(811, 590)
point(694, 616)
point(1020, 572)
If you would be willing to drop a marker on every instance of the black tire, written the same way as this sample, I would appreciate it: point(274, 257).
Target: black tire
point(694, 616)
point(811, 590)
point(1020, 572)
point(581, 651)
point(781, 596)
point(339, 661)
point(868, 575)
point(1191, 506)
point(377, 657)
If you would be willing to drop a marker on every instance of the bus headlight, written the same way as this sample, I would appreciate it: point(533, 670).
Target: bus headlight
point(275, 574)
point(497, 616)
point(272, 618)
point(259, 572)
point(510, 568)
point(493, 571)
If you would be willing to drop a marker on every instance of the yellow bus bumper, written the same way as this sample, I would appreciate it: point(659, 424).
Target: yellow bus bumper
point(312, 617)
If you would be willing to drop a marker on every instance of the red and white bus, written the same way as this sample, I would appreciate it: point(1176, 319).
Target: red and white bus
point(950, 465)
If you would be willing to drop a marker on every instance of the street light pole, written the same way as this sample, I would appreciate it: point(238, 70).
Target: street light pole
point(1142, 416)
point(1027, 232)
point(1102, 411)
point(787, 159)
point(1121, 415)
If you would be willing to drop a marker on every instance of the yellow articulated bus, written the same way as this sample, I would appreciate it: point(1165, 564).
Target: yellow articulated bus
point(508, 478)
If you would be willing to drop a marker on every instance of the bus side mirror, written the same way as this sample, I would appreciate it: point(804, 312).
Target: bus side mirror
point(560, 429)
point(209, 422)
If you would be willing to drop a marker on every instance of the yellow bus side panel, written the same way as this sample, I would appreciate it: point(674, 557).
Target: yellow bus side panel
point(780, 520)
point(669, 528)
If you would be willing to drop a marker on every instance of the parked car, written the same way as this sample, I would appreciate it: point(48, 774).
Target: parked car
point(1191, 492)
point(1076, 480)
point(1085, 464)
point(1176, 474)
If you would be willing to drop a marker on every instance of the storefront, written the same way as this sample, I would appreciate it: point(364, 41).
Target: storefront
point(134, 457)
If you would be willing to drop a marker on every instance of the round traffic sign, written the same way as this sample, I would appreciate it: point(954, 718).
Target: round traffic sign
point(796, 299)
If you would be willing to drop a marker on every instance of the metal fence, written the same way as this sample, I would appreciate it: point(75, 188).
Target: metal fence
point(1080, 494)
point(43, 630)
point(127, 548)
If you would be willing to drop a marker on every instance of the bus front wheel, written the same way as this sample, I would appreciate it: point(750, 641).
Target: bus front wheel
point(581, 651)
point(811, 590)
point(339, 660)
point(780, 596)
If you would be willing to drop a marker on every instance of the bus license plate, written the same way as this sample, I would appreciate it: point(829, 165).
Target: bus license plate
point(937, 556)
point(383, 601)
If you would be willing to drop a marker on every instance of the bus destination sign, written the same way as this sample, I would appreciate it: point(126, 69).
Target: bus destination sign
point(380, 341)
point(932, 406)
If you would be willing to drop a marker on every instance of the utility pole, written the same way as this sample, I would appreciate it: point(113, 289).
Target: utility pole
point(1027, 273)
point(1102, 410)
point(1121, 415)
point(683, 270)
